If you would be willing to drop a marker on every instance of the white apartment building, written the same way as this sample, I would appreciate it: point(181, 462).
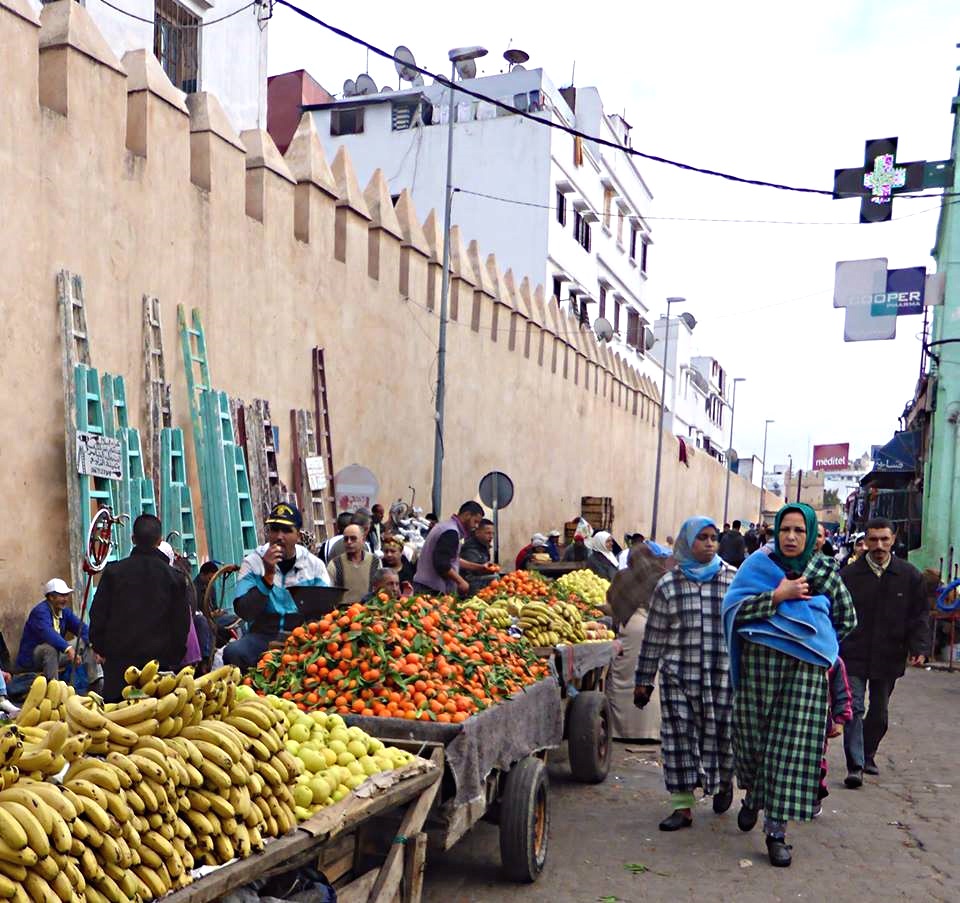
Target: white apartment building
point(228, 57)
point(697, 392)
point(569, 214)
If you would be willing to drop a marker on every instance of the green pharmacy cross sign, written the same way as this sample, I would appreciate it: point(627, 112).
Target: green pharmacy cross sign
point(879, 179)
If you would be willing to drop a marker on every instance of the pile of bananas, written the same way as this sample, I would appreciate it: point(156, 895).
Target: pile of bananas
point(545, 625)
point(498, 614)
point(187, 774)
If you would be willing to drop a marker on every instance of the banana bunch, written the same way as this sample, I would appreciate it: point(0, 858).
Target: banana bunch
point(46, 701)
point(475, 603)
point(546, 626)
point(496, 613)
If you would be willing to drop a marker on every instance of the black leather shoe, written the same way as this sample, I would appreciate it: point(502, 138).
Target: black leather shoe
point(854, 778)
point(779, 852)
point(723, 799)
point(870, 767)
point(746, 818)
point(675, 821)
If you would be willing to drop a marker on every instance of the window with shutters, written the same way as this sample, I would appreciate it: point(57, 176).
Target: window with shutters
point(557, 287)
point(561, 208)
point(616, 315)
point(346, 122)
point(644, 255)
point(176, 44)
point(602, 306)
point(608, 194)
point(633, 329)
point(581, 230)
point(633, 242)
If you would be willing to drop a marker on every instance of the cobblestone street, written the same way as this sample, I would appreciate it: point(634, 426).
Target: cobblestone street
point(895, 839)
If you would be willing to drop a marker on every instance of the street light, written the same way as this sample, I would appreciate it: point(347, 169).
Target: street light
point(456, 56)
point(733, 410)
point(763, 467)
point(663, 404)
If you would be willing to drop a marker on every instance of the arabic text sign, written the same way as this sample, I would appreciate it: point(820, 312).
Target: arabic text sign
point(99, 456)
point(316, 473)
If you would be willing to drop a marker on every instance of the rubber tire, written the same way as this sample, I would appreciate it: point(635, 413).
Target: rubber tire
point(588, 737)
point(523, 841)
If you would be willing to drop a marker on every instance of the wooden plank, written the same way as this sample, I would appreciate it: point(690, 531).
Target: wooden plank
point(388, 881)
point(413, 866)
point(217, 883)
point(462, 818)
point(359, 890)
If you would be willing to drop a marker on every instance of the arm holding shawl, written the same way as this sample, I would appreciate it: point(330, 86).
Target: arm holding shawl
point(756, 608)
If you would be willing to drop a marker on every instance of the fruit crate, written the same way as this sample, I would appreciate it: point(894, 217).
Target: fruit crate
point(597, 511)
point(381, 869)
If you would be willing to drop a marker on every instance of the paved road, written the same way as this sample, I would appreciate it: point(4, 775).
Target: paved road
point(898, 838)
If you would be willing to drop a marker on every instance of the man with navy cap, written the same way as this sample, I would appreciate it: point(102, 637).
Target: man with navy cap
point(262, 597)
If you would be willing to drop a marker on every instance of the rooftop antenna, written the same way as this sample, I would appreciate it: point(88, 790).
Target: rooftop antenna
point(573, 74)
point(405, 64)
point(515, 58)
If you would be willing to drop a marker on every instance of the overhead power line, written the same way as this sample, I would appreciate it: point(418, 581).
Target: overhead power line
point(205, 24)
point(559, 126)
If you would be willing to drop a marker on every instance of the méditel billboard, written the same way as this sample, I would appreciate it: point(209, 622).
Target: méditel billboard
point(831, 457)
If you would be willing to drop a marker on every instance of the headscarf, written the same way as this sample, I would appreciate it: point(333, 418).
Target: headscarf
point(658, 550)
point(598, 543)
point(798, 564)
point(683, 551)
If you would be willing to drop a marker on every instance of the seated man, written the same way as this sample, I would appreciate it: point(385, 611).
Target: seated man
point(44, 646)
point(262, 596)
point(383, 580)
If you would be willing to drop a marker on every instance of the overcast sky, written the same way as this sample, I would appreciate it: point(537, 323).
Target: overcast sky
point(749, 88)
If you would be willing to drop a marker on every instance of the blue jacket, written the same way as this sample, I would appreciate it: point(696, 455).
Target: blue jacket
point(39, 629)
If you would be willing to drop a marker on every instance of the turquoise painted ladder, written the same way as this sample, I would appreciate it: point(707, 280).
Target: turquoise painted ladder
point(176, 499)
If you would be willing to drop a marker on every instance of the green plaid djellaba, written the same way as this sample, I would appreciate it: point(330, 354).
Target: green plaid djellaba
point(780, 709)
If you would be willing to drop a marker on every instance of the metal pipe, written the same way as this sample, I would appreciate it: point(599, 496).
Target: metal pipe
point(437, 491)
point(663, 404)
point(733, 410)
point(763, 468)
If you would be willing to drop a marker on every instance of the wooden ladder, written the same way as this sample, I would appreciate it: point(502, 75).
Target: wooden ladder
point(312, 502)
point(155, 385)
point(323, 436)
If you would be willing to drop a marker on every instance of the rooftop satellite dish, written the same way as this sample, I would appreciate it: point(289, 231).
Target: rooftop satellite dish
point(366, 85)
point(648, 338)
point(386, 89)
point(417, 81)
point(603, 329)
point(349, 88)
point(466, 68)
point(404, 63)
point(515, 57)
point(732, 456)
point(689, 319)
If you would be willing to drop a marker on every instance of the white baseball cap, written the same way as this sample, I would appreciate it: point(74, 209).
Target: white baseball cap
point(56, 586)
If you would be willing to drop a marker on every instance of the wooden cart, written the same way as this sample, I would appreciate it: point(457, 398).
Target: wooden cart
point(391, 870)
point(514, 795)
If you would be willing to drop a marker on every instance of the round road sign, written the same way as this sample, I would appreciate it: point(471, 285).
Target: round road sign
point(496, 490)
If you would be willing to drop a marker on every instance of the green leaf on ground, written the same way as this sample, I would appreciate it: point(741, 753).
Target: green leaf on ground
point(636, 868)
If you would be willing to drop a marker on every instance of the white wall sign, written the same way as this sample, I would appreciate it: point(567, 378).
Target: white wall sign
point(99, 456)
point(316, 473)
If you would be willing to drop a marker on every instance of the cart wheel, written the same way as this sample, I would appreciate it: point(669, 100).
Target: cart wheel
point(588, 737)
point(524, 820)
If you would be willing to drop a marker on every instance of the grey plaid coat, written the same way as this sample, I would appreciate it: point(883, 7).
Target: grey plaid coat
point(684, 636)
point(781, 708)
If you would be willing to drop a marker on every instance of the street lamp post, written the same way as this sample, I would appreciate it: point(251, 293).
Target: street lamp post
point(733, 410)
point(458, 55)
point(663, 404)
point(763, 467)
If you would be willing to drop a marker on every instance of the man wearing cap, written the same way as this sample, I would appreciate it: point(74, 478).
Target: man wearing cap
point(44, 646)
point(553, 547)
point(538, 543)
point(262, 596)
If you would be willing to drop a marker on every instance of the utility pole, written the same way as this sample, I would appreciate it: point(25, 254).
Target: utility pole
point(763, 467)
point(733, 409)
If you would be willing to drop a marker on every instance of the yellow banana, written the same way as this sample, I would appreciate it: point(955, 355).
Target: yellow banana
point(126, 714)
point(152, 879)
point(148, 768)
point(123, 763)
point(167, 684)
point(17, 873)
point(88, 719)
point(37, 839)
point(88, 790)
point(215, 775)
point(34, 759)
point(11, 831)
point(37, 692)
point(38, 890)
point(219, 757)
point(96, 815)
point(103, 776)
point(258, 712)
point(148, 673)
point(61, 886)
point(131, 676)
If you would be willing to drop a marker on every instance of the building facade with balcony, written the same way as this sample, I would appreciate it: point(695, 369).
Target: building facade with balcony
point(218, 46)
point(567, 213)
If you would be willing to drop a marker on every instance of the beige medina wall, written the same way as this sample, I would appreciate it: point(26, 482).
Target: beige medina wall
point(106, 172)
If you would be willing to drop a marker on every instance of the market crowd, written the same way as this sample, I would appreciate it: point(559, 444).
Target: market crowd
point(763, 656)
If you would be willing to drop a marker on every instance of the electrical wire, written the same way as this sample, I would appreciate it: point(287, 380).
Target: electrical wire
point(701, 219)
point(576, 133)
point(205, 24)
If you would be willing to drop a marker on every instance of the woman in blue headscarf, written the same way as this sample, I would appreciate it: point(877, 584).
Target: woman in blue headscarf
point(684, 638)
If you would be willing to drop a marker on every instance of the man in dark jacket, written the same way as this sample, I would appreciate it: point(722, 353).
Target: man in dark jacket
point(475, 562)
point(140, 611)
point(732, 548)
point(892, 625)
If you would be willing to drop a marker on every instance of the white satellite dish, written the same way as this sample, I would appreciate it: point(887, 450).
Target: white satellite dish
point(386, 89)
point(366, 85)
point(689, 319)
point(417, 81)
point(649, 340)
point(404, 62)
point(731, 454)
point(466, 68)
point(349, 88)
point(515, 57)
point(603, 328)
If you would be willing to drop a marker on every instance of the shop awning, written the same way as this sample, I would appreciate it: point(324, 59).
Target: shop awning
point(899, 454)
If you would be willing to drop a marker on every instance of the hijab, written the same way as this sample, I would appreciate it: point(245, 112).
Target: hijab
point(683, 551)
point(598, 543)
point(798, 564)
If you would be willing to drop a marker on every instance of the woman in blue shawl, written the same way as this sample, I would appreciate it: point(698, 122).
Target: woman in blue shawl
point(684, 637)
point(783, 616)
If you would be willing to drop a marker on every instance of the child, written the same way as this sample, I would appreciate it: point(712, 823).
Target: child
point(841, 711)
